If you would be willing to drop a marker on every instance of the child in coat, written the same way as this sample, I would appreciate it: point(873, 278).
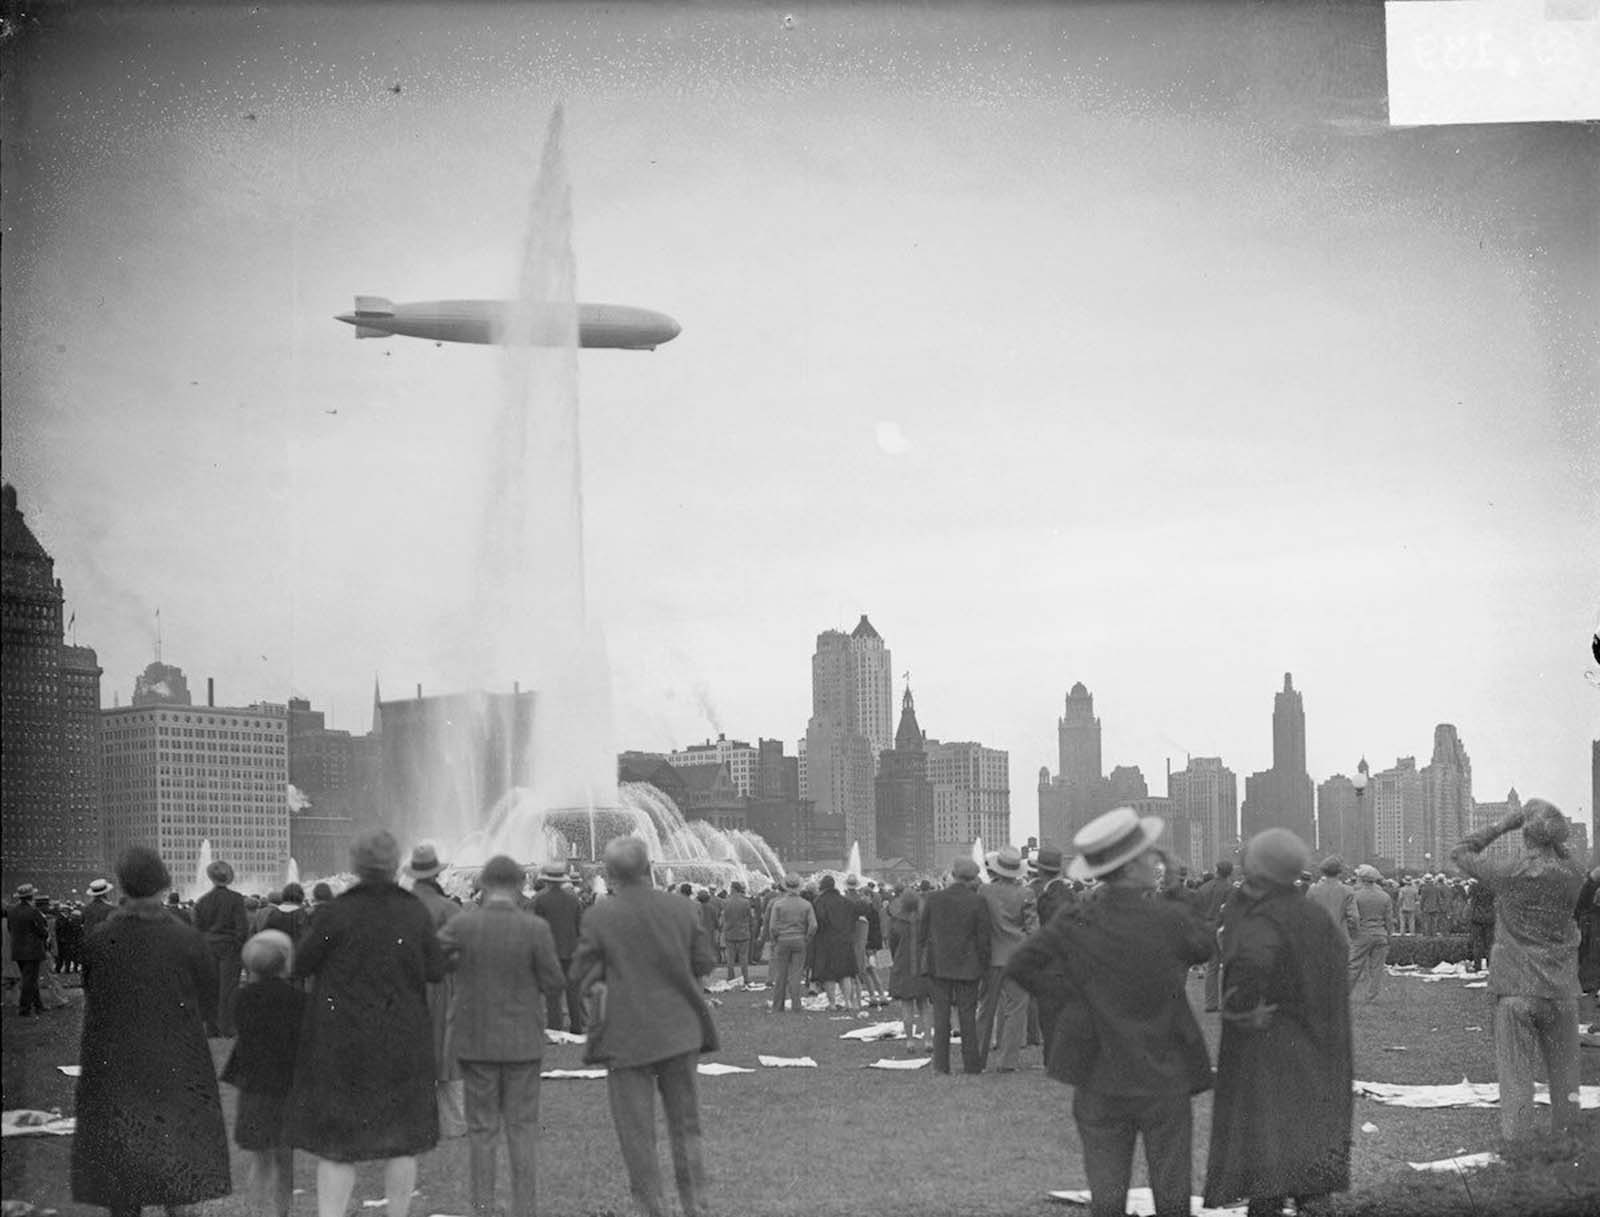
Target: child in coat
point(262, 1067)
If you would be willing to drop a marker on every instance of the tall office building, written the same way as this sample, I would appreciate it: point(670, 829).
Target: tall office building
point(174, 776)
point(1339, 820)
point(850, 727)
point(1205, 794)
point(740, 758)
point(905, 795)
point(1486, 815)
point(971, 798)
point(1078, 791)
point(1400, 818)
point(1447, 790)
point(48, 759)
point(1282, 797)
point(336, 780)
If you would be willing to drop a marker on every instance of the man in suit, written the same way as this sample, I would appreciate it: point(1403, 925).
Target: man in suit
point(650, 950)
point(99, 906)
point(425, 867)
point(955, 957)
point(559, 905)
point(1336, 897)
point(222, 920)
point(30, 934)
point(1210, 896)
point(1052, 893)
point(1130, 1046)
point(1013, 915)
point(505, 966)
point(737, 927)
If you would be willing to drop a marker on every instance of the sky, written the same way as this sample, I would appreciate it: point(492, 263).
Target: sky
point(1126, 344)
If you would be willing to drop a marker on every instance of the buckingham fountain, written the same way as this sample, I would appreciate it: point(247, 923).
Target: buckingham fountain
point(531, 615)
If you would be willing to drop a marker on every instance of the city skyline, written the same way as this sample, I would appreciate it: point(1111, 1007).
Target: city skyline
point(1071, 344)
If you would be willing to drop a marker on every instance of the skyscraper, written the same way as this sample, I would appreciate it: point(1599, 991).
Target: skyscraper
point(1206, 795)
point(1282, 797)
point(176, 775)
point(49, 763)
point(1400, 817)
point(740, 758)
point(971, 797)
point(850, 727)
point(905, 795)
point(1078, 792)
point(1339, 820)
point(1447, 790)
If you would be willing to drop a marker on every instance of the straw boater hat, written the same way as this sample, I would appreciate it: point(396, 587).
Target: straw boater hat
point(1108, 841)
point(424, 862)
point(99, 888)
point(553, 872)
point(1005, 862)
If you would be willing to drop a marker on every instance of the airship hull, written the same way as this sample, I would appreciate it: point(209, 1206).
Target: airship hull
point(614, 326)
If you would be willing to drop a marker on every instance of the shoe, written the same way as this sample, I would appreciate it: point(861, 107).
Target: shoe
point(1211, 1009)
point(1005, 1069)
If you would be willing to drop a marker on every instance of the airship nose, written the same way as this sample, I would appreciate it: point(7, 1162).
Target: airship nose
point(670, 329)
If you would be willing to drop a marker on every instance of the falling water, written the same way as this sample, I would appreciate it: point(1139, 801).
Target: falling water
point(202, 881)
point(531, 612)
point(852, 866)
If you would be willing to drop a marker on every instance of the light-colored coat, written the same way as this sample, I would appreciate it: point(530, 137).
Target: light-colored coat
point(649, 948)
point(505, 965)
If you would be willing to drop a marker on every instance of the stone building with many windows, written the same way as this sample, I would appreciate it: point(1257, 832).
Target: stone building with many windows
point(49, 705)
point(174, 776)
point(971, 798)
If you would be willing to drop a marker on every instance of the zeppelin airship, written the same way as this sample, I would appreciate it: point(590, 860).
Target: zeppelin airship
point(617, 326)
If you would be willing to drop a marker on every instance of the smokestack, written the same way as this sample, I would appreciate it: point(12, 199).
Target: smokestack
point(419, 692)
point(516, 688)
point(211, 692)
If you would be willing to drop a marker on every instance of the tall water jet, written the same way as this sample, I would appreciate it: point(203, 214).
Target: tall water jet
point(202, 881)
point(852, 865)
point(532, 601)
point(291, 873)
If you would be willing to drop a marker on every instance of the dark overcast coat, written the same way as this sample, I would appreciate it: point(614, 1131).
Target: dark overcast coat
point(150, 1127)
point(364, 1081)
point(1280, 1123)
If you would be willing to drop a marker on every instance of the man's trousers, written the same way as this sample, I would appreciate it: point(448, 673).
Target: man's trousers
point(963, 994)
point(633, 1110)
point(225, 955)
point(788, 972)
point(1367, 953)
point(28, 1000)
point(574, 1003)
point(1107, 1127)
point(1525, 1030)
point(502, 1096)
point(1005, 1003)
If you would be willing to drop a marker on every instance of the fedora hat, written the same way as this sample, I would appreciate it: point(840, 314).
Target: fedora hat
point(1047, 861)
point(1005, 862)
point(1369, 874)
point(99, 888)
point(1107, 842)
point(424, 862)
point(554, 872)
point(26, 892)
point(852, 880)
point(791, 882)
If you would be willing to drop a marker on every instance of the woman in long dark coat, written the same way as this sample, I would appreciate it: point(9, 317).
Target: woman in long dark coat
point(1280, 1123)
point(363, 1087)
point(835, 964)
point(150, 1127)
point(906, 984)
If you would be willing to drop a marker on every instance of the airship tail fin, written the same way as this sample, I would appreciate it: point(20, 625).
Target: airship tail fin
point(366, 331)
point(373, 306)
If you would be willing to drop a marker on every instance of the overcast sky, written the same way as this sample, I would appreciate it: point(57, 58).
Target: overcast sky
point(1125, 345)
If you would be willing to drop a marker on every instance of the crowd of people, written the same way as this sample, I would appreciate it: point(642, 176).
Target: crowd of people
point(373, 1023)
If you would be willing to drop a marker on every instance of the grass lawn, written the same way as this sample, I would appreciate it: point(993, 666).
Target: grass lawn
point(844, 1138)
